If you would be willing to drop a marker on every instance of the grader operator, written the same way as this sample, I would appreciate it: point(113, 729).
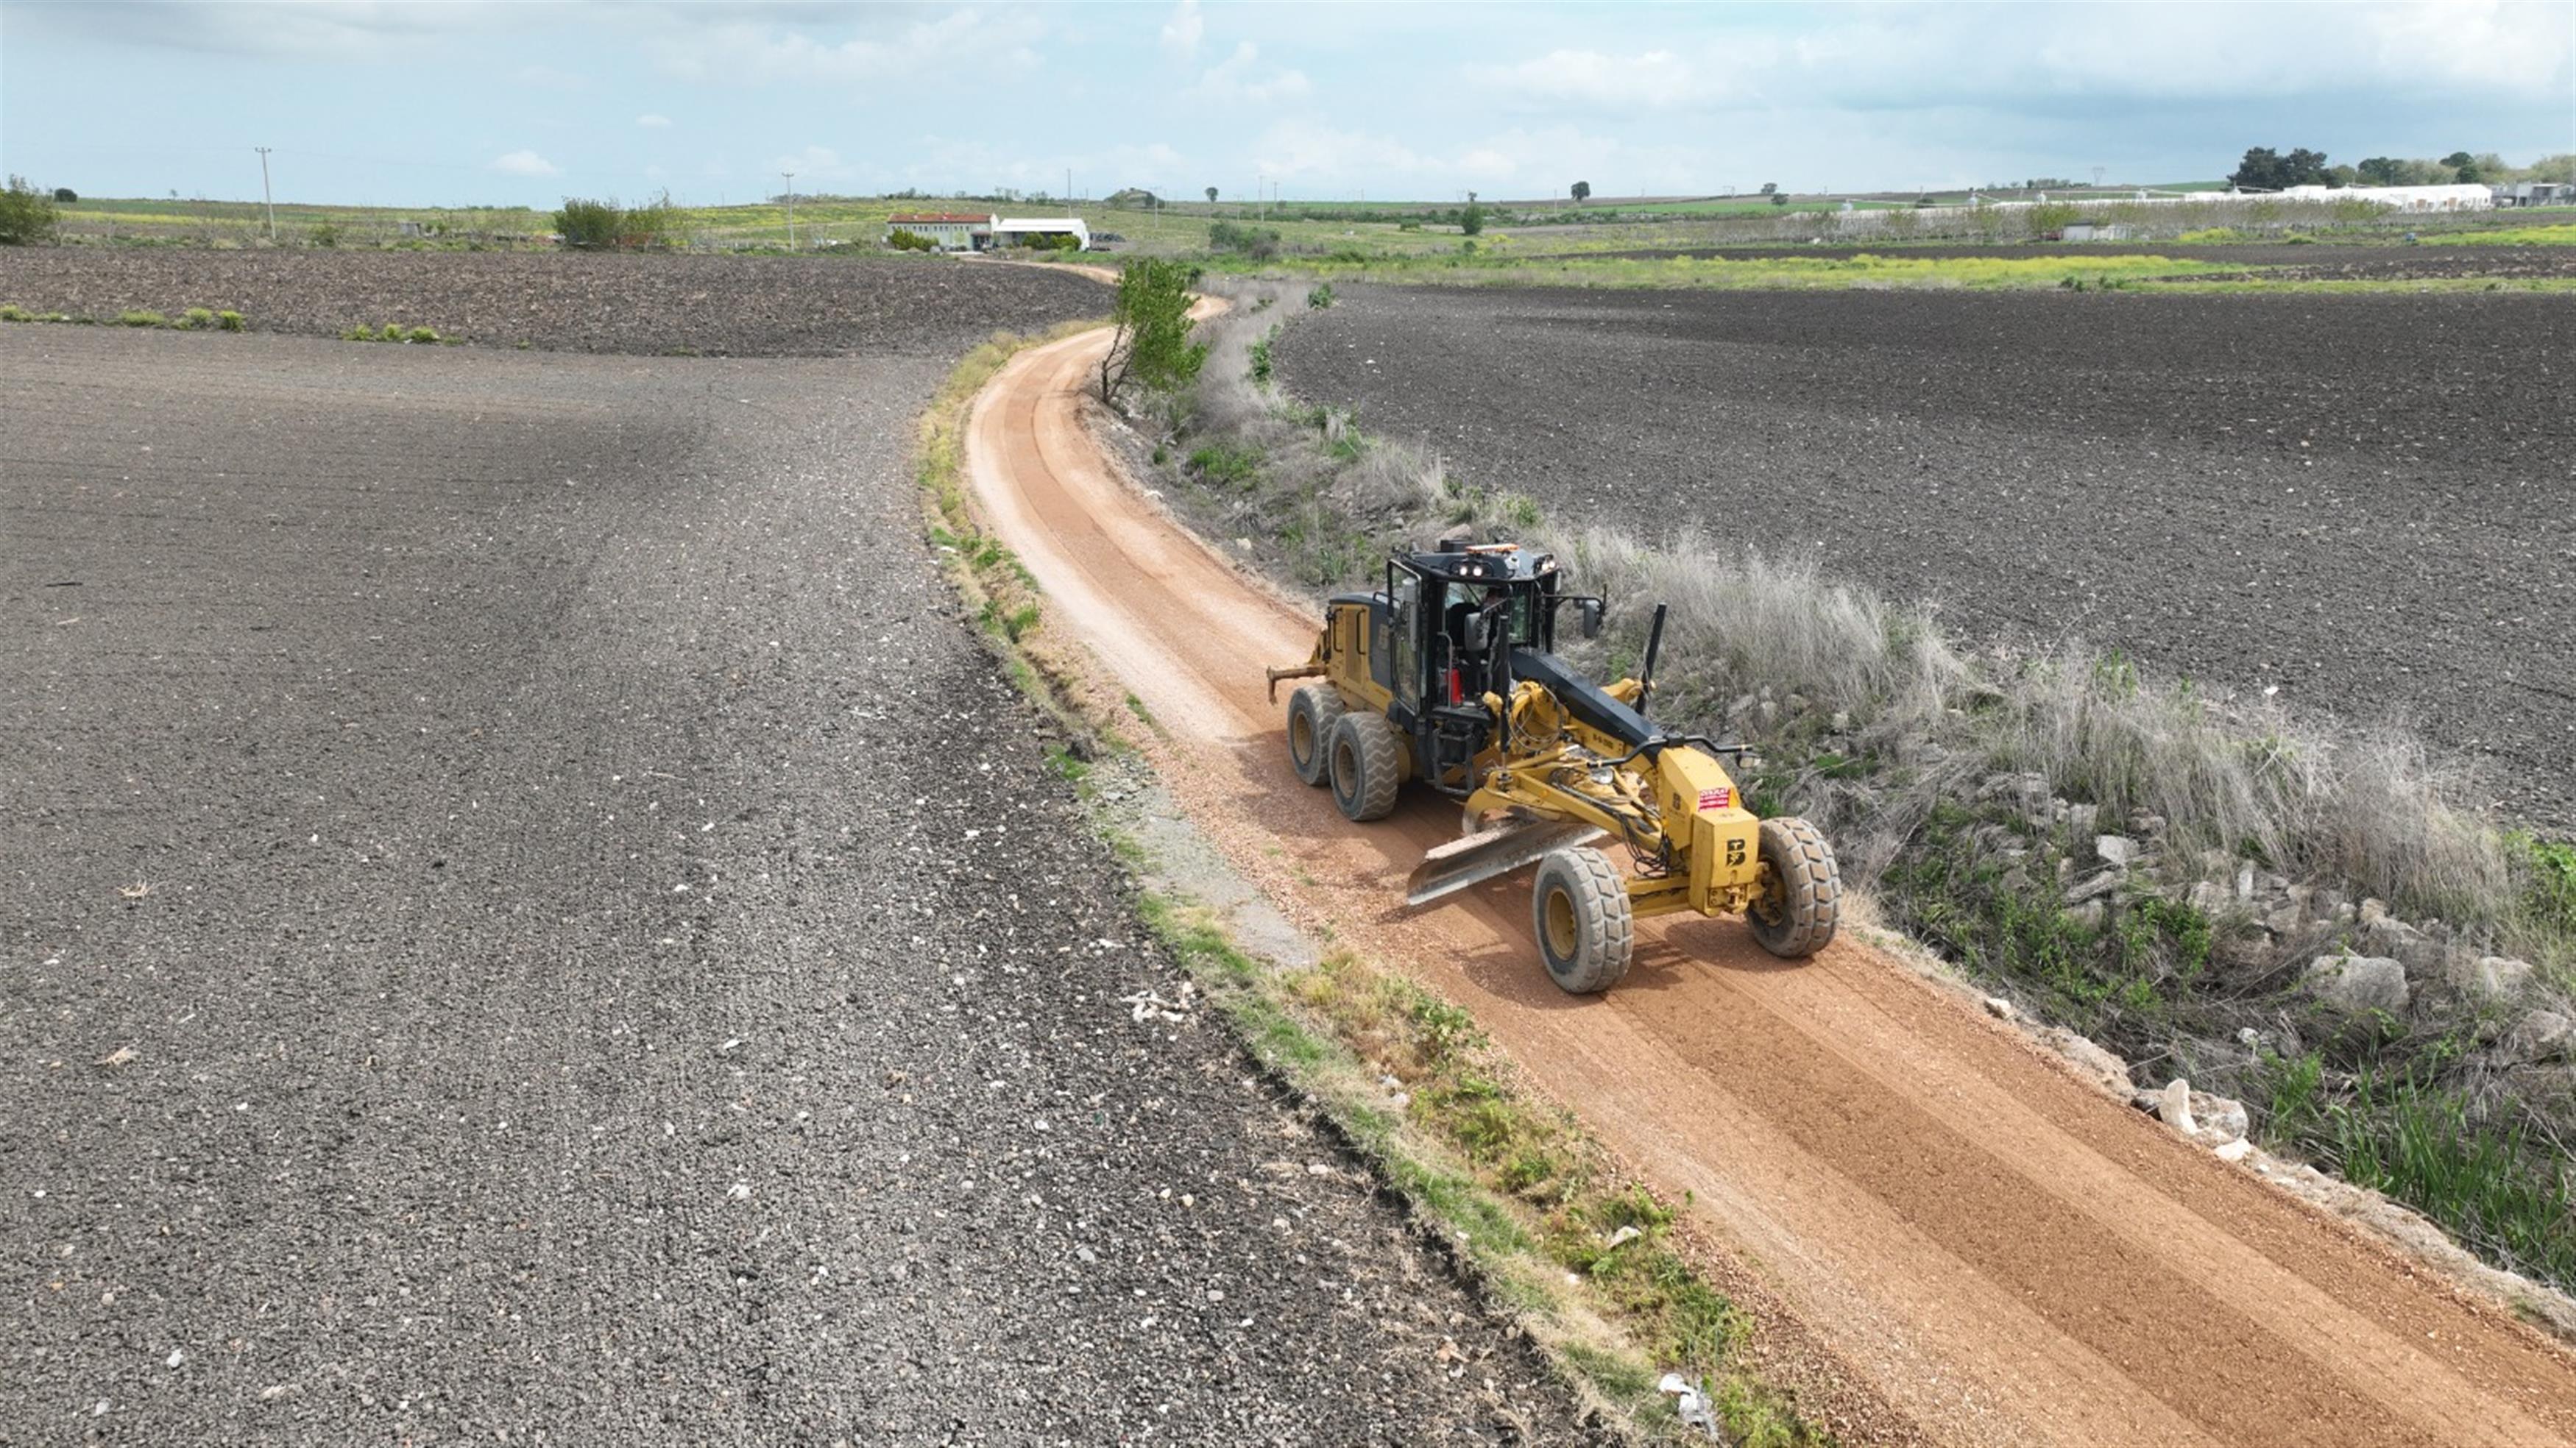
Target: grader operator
point(1448, 677)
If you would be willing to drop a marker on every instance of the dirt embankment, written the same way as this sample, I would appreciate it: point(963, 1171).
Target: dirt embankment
point(2359, 501)
point(525, 912)
point(740, 306)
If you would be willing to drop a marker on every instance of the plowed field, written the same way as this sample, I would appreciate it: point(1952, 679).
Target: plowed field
point(2360, 501)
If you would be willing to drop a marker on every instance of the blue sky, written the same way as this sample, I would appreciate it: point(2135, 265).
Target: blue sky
point(498, 101)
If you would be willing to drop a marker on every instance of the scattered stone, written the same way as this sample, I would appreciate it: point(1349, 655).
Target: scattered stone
point(2092, 914)
point(2373, 910)
point(2223, 1118)
point(2000, 1009)
point(2245, 882)
point(2080, 818)
point(2173, 1107)
point(2116, 850)
point(2209, 897)
point(2234, 1151)
point(2094, 888)
point(2352, 984)
point(2090, 1057)
point(2540, 1036)
point(2490, 979)
point(2421, 954)
point(1621, 1238)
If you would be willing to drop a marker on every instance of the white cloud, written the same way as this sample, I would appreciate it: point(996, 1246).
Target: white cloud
point(983, 42)
point(1232, 80)
point(525, 163)
point(653, 120)
point(1657, 80)
point(815, 166)
point(1183, 32)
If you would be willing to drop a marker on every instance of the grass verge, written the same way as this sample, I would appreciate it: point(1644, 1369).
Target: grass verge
point(1532, 1204)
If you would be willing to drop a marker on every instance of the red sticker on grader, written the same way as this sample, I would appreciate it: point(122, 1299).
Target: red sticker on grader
point(1716, 798)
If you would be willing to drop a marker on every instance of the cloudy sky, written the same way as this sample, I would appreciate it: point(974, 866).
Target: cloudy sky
point(500, 101)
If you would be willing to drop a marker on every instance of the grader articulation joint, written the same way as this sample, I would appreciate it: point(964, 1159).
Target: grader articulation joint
point(1448, 677)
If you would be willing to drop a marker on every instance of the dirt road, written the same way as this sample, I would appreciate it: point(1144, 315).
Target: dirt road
point(2003, 1254)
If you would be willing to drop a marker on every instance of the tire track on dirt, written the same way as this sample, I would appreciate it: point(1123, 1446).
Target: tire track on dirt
point(1999, 1251)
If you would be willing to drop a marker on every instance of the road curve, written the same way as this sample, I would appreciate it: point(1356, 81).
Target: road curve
point(2000, 1252)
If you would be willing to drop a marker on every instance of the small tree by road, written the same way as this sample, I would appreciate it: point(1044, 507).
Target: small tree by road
point(1152, 345)
point(1582, 192)
point(1211, 196)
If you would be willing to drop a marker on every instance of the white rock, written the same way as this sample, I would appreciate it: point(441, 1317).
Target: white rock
point(2220, 1118)
point(1999, 1008)
point(2093, 1060)
point(2236, 1150)
point(2356, 983)
point(2117, 850)
point(2173, 1107)
point(2094, 888)
point(2490, 979)
point(2541, 1036)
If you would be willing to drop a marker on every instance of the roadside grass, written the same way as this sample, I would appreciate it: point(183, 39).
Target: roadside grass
point(1965, 791)
point(1865, 270)
point(194, 319)
point(394, 332)
point(1525, 1194)
point(2559, 235)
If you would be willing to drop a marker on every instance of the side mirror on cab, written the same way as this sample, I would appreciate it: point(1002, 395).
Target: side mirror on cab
point(1473, 634)
point(1588, 616)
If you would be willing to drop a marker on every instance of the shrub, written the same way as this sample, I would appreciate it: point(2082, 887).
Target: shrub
point(229, 321)
point(142, 319)
point(1152, 344)
point(195, 318)
point(1260, 244)
point(1472, 220)
point(66, 195)
point(908, 240)
point(588, 225)
point(26, 214)
point(1320, 296)
point(392, 332)
point(12, 312)
point(421, 334)
point(323, 234)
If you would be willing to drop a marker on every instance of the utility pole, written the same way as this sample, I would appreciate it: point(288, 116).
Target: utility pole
point(266, 199)
point(791, 208)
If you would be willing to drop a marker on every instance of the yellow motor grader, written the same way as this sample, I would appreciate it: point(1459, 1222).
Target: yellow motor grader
point(1448, 677)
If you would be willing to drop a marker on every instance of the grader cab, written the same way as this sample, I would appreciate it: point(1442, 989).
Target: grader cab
point(1448, 678)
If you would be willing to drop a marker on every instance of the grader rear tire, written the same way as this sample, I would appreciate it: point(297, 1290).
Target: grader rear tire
point(1367, 767)
point(1312, 712)
point(1579, 910)
point(1802, 891)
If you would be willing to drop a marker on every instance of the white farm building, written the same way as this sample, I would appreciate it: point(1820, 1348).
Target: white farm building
point(2461, 197)
point(1021, 230)
point(982, 231)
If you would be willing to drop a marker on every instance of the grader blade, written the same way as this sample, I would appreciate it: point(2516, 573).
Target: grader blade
point(1494, 853)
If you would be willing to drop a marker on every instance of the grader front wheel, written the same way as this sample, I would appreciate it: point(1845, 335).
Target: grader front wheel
point(1367, 766)
point(1579, 909)
point(1802, 891)
point(1312, 712)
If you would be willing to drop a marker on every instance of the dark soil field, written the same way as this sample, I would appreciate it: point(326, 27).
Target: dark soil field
point(2364, 502)
point(2312, 261)
point(525, 914)
point(744, 306)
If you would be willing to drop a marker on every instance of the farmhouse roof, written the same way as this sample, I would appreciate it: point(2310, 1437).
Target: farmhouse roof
point(933, 217)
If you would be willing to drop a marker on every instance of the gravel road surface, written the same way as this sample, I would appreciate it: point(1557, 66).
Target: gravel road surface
point(526, 916)
point(2361, 501)
point(742, 306)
